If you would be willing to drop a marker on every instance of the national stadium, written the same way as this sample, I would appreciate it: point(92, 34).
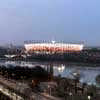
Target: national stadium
point(52, 47)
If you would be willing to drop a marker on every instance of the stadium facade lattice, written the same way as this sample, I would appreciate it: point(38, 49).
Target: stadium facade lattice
point(52, 47)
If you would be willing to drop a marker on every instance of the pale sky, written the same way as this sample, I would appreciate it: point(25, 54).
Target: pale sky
point(67, 20)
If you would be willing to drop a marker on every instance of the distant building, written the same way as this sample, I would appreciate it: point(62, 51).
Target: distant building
point(52, 47)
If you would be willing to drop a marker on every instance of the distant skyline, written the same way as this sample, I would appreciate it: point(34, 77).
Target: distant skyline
point(67, 20)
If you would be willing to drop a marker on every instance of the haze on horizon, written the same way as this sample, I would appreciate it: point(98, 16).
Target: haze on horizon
point(68, 20)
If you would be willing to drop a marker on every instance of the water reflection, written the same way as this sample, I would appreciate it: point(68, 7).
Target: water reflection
point(87, 74)
point(60, 68)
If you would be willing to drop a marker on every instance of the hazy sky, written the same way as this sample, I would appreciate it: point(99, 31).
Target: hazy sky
point(68, 20)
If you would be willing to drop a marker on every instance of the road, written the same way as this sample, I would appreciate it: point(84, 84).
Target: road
point(14, 85)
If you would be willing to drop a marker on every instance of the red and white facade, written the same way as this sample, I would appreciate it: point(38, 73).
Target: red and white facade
point(53, 47)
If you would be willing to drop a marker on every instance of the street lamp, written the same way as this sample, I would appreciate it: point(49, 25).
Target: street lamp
point(89, 97)
point(49, 90)
point(70, 94)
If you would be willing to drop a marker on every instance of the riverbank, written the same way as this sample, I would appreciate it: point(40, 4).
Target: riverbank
point(4, 97)
point(54, 62)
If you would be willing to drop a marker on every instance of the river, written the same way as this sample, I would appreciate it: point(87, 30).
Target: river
point(87, 72)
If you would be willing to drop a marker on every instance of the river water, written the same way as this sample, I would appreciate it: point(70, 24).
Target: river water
point(87, 73)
